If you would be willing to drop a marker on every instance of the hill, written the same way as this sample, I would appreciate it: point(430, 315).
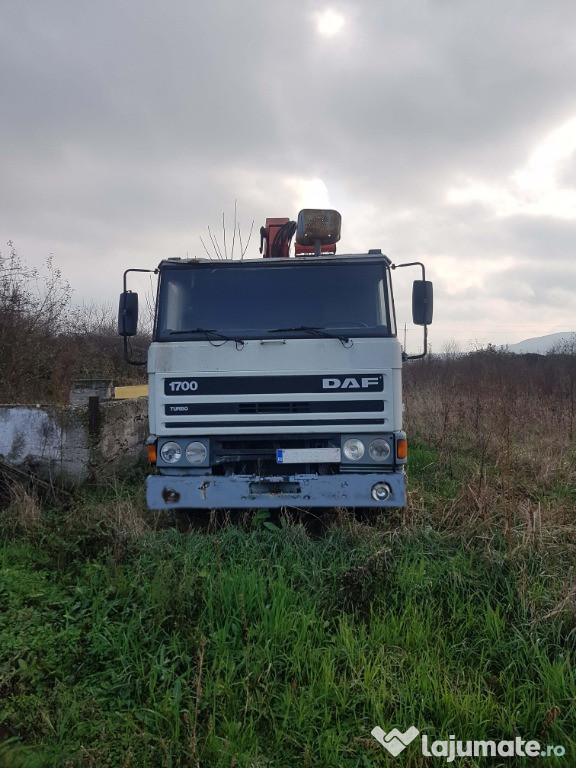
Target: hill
point(541, 345)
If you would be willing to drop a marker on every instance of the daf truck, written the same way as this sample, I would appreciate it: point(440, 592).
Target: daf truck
point(277, 381)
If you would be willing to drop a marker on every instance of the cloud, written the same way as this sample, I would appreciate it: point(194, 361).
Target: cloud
point(441, 131)
point(535, 188)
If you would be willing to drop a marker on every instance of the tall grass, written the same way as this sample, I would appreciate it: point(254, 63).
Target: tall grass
point(499, 430)
point(256, 645)
point(257, 648)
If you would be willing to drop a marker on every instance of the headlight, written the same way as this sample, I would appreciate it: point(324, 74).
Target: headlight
point(171, 452)
point(196, 453)
point(379, 449)
point(353, 449)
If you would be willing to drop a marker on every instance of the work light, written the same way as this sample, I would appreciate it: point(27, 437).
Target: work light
point(318, 226)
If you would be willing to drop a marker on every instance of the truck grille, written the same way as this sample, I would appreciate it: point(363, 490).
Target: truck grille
point(315, 406)
point(258, 455)
point(273, 423)
point(273, 408)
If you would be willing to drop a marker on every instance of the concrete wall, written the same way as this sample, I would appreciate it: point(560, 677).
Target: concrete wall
point(74, 443)
point(123, 431)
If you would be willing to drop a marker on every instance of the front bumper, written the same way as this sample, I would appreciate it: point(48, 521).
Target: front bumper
point(250, 491)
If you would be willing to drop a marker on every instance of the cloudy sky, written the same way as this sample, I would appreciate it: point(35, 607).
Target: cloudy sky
point(442, 130)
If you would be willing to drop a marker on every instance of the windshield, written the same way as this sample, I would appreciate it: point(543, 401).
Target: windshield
point(264, 300)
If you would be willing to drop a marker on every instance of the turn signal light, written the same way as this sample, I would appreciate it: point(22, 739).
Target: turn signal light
point(402, 448)
point(151, 453)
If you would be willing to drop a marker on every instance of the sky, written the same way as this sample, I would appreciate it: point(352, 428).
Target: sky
point(444, 131)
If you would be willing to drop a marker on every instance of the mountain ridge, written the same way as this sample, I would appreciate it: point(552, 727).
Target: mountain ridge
point(541, 345)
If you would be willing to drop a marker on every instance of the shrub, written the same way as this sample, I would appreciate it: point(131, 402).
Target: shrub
point(45, 342)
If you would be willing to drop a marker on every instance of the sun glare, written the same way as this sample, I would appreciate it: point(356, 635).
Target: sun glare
point(308, 193)
point(329, 23)
point(541, 171)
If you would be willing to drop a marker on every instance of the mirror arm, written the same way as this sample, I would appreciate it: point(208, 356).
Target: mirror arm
point(152, 271)
point(411, 264)
point(425, 352)
point(422, 354)
point(127, 354)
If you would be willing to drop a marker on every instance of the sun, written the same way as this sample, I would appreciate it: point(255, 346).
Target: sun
point(329, 23)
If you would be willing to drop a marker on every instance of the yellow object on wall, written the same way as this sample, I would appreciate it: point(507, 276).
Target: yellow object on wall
point(140, 390)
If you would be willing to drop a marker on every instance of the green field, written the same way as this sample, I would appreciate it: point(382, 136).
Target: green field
point(283, 642)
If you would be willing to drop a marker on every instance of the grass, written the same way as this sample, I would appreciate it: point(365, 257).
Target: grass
point(254, 645)
point(244, 648)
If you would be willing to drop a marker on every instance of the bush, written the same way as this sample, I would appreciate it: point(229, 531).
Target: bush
point(45, 342)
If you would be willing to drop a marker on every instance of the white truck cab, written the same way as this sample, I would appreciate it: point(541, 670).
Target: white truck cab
point(276, 382)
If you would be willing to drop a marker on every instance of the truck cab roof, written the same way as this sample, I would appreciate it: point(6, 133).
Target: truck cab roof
point(370, 255)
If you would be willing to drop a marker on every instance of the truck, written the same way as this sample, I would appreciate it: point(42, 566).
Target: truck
point(276, 382)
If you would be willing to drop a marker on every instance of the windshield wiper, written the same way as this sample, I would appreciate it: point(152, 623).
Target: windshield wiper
point(209, 332)
point(313, 331)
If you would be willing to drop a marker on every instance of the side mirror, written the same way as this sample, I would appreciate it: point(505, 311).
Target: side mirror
point(422, 302)
point(128, 314)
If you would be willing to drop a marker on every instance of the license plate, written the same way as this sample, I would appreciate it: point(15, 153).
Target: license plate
point(307, 455)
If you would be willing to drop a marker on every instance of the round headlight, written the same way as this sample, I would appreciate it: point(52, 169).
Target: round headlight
point(379, 449)
point(196, 453)
point(171, 452)
point(353, 449)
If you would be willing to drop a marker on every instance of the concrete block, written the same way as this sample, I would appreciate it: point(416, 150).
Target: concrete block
point(55, 442)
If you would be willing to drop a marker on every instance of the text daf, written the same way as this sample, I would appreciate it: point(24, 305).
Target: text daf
point(365, 382)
